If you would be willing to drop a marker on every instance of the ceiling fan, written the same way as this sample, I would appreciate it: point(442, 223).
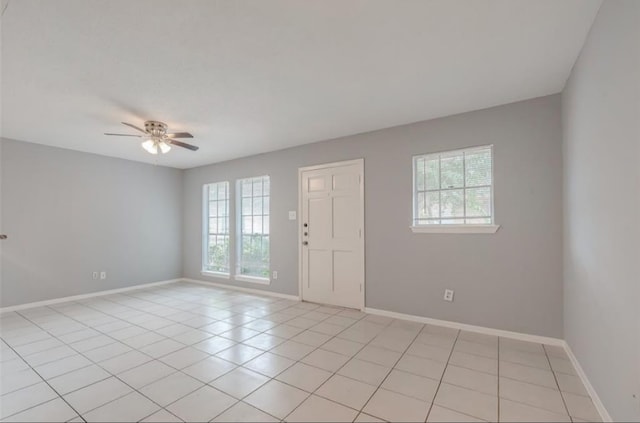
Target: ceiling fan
point(156, 137)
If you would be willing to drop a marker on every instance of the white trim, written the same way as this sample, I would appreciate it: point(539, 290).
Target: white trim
point(215, 274)
point(247, 290)
point(455, 229)
point(471, 328)
point(252, 279)
point(334, 164)
point(604, 414)
point(84, 296)
point(359, 162)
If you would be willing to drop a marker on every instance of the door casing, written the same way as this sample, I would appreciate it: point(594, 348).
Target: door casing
point(360, 163)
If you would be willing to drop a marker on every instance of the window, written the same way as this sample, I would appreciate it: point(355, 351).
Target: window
point(216, 233)
point(253, 223)
point(453, 191)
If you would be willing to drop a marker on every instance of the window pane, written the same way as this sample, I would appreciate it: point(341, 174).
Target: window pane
point(216, 239)
point(257, 206)
point(452, 203)
point(478, 202)
point(246, 206)
point(478, 168)
point(419, 171)
point(213, 192)
point(257, 187)
point(432, 174)
point(451, 171)
point(247, 227)
point(478, 221)
point(428, 205)
point(253, 259)
point(213, 209)
point(452, 221)
point(213, 225)
point(246, 187)
point(222, 208)
point(257, 225)
point(222, 191)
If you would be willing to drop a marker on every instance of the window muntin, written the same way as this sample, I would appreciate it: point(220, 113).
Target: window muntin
point(216, 233)
point(253, 222)
point(454, 187)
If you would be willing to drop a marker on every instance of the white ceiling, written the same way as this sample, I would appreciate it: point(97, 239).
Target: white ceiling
point(246, 77)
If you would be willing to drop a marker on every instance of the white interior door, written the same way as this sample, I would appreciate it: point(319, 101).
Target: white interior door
point(332, 234)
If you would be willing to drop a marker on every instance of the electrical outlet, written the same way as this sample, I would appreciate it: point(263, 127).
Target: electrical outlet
point(274, 274)
point(103, 275)
point(95, 276)
point(448, 295)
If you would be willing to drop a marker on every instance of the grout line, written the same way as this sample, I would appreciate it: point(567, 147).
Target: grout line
point(442, 376)
point(557, 383)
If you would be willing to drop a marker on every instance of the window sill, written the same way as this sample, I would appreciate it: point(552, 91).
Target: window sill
point(215, 274)
point(455, 229)
point(252, 279)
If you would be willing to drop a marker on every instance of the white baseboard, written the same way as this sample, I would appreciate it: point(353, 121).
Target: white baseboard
point(242, 289)
point(470, 328)
point(604, 414)
point(83, 296)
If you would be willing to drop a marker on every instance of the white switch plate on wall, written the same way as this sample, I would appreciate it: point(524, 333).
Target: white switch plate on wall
point(448, 295)
point(292, 215)
point(103, 275)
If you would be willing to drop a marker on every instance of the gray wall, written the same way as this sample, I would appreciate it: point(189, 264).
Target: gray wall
point(68, 214)
point(601, 119)
point(517, 272)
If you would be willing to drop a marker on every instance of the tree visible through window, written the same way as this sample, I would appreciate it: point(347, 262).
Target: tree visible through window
point(454, 187)
point(216, 248)
point(253, 237)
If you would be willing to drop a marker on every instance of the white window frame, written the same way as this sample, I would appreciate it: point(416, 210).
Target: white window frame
point(206, 234)
point(239, 234)
point(448, 228)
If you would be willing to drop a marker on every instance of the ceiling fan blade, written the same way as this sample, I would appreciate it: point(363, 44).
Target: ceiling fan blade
point(180, 135)
point(123, 135)
point(134, 127)
point(182, 144)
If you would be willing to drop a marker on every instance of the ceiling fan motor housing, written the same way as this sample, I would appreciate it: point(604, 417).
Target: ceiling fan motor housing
point(155, 128)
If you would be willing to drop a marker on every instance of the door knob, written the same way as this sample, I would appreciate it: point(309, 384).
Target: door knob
point(3, 236)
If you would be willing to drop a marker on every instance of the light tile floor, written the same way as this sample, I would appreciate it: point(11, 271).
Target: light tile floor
point(187, 352)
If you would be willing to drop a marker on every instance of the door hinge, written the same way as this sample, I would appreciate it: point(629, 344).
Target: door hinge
point(360, 233)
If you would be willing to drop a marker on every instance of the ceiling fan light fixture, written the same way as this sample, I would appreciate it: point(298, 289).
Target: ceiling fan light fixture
point(151, 146)
point(155, 137)
point(164, 147)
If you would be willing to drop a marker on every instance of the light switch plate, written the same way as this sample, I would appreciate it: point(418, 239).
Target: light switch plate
point(448, 294)
point(292, 215)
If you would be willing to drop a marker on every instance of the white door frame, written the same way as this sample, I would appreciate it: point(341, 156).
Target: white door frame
point(360, 163)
